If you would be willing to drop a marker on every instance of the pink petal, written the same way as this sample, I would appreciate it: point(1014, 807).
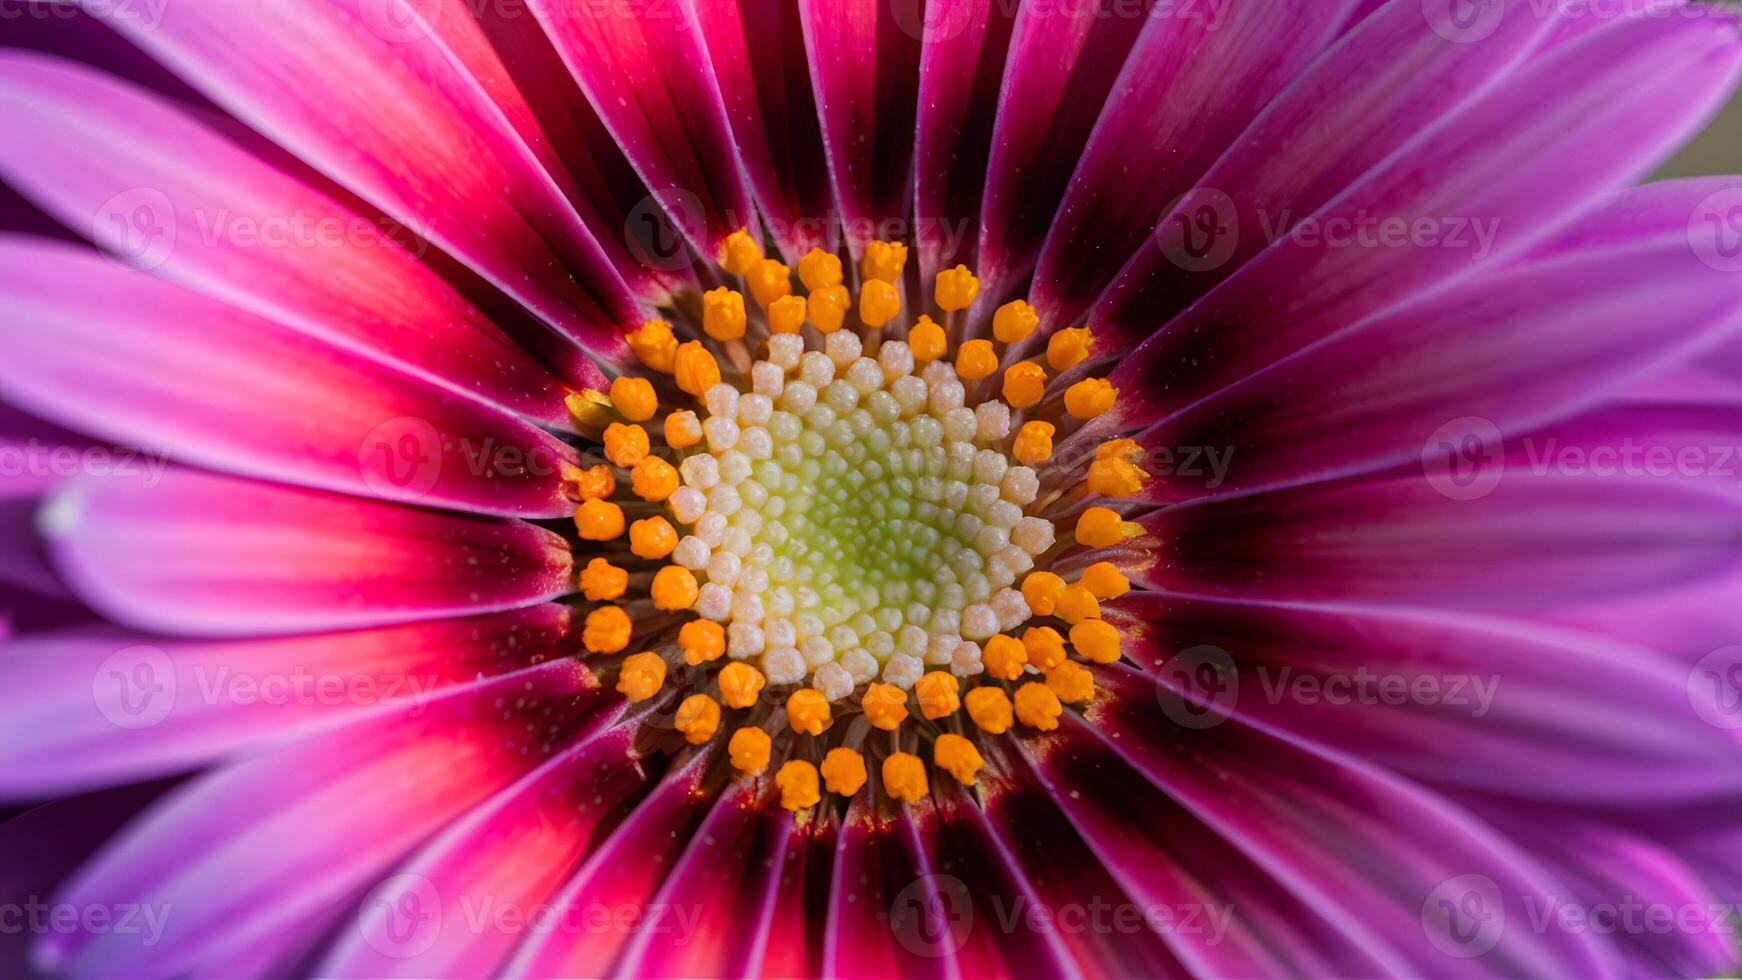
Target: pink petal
point(114, 352)
point(207, 555)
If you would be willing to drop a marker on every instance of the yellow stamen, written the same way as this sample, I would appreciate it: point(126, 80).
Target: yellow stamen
point(1044, 646)
point(927, 340)
point(750, 749)
point(698, 717)
point(818, 268)
point(594, 482)
point(1126, 449)
point(652, 537)
point(607, 630)
point(1037, 706)
point(807, 710)
point(1100, 527)
point(634, 398)
point(1096, 640)
point(599, 520)
point(990, 709)
point(737, 251)
point(1024, 384)
point(1104, 580)
point(844, 771)
point(740, 684)
point(828, 308)
point(937, 693)
point(654, 345)
point(702, 640)
point(674, 587)
point(1014, 321)
point(723, 316)
point(884, 260)
point(1033, 443)
point(1004, 658)
point(768, 280)
point(957, 756)
point(1069, 347)
point(976, 359)
point(695, 368)
point(1090, 397)
point(641, 677)
point(590, 409)
point(956, 289)
point(682, 429)
point(653, 479)
point(1071, 682)
point(797, 781)
point(904, 777)
point(1078, 605)
point(786, 314)
point(885, 706)
point(878, 302)
point(602, 581)
point(1042, 591)
point(625, 445)
point(1115, 477)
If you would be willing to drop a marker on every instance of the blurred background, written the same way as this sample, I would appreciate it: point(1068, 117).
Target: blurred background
point(1718, 150)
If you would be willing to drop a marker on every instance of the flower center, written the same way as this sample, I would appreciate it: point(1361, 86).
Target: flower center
point(850, 533)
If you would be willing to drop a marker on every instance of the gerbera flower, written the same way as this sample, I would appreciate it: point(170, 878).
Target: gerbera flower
point(706, 488)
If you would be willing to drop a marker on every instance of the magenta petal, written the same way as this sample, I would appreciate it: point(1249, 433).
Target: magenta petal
point(609, 898)
point(757, 50)
point(864, 66)
point(206, 555)
point(1515, 162)
point(1190, 86)
point(257, 846)
point(368, 95)
point(239, 230)
point(490, 872)
point(114, 352)
point(647, 74)
point(99, 706)
point(1538, 713)
point(1388, 863)
point(1665, 214)
point(880, 866)
point(1367, 96)
point(1063, 61)
point(1497, 356)
point(961, 71)
point(1522, 541)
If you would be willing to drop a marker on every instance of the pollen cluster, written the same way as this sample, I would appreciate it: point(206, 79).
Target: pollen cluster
point(834, 513)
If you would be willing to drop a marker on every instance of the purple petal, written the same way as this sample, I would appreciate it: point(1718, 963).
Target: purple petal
point(881, 874)
point(206, 555)
point(114, 352)
point(228, 225)
point(1515, 161)
point(256, 846)
point(1191, 85)
point(370, 96)
point(100, 706)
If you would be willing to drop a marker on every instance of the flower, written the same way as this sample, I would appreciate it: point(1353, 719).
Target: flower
point(855, 487)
